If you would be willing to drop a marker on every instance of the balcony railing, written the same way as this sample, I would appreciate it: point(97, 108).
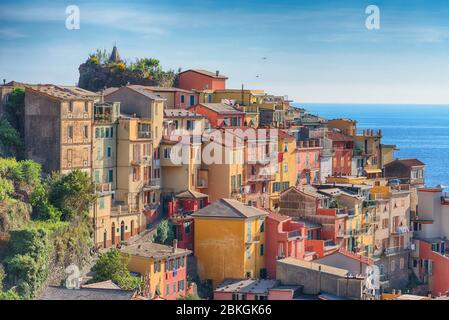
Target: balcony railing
point(293, 234)
point(201, 183)
point(260, 177)
point(144, 134)
point(103, 187)
point(369, 204)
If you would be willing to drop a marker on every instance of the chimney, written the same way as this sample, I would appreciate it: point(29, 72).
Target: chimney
point(217, 73)
point(175, 245)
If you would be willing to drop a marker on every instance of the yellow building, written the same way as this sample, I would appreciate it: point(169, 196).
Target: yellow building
point(229, 239)
point(163, 268)
point(284, 169)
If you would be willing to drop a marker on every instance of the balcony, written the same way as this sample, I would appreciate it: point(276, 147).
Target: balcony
point(400, 230)
point(103, 187)
point(261, 177)
point(394, 250)
point(144, 134)
point(369, 204)
point(293, 234)
point(201, 183)
point(152, 184)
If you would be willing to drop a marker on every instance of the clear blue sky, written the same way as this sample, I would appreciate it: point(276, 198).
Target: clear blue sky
point(316, 51)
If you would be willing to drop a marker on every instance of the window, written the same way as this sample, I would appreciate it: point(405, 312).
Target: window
point(285, 167)
point(97, 133)
point(248, 232)
point(112, 132)
point(393, 265)
point(86, 106)
point(261, 250)
point(111, 175)
point(102, 132)
point(174, 287)
point(99, 153)
point(109, 151)
point(97, 176)
point(225, 121)
point(167, 153)
point(233, 183)
point(192, 100)
point(157, 266)
point(101, 203)
point(70, 106)
point(248, 253)
point(107, 132)
point(401, 263)
point(182, 98)
point(262, 224)
point(239, 180)
point(70, 132)
point(285, 147)
point(167, 290)
point(181, 285)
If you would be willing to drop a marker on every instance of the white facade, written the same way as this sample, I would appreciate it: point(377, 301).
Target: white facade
point(432, 208)
point(325, 168)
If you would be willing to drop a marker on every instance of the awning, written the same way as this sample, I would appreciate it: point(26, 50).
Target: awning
point(369, 171)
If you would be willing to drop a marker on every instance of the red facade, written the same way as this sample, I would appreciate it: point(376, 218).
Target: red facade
point(201, 80)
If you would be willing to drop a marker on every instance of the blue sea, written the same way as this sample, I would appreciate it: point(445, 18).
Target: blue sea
point(419, 131)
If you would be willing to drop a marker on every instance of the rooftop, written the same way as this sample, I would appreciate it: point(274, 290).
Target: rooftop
point(64, 92)
point(315, 266)
point(246, 286)
point(206, 73)
point(221, 108)
point(181, 113)
point(153, 250)
point(191, 195)
point(229, 208)
point(409, 162)
point(62, 293)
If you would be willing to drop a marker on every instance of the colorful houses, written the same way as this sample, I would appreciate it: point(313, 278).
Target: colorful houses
point(163, 269)
point(229, 241)
point(343, 147)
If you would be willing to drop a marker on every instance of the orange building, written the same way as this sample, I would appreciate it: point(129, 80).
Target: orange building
point(220, 114)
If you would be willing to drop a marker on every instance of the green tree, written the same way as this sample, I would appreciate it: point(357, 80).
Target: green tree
point(28, 171)
point(164, 233)
point(11, 294)
point(14, 109)
point(42, 208)
point(6, 189)
point(72, 194)
point(112, 265)
point(10, 141)
point(27, 260)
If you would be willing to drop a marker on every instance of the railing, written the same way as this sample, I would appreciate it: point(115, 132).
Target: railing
point(260, 177)
point(369, 203)
point(294, 234)
point(201, 183)
point(103, 187)
point(144, 134)
point(329, 243)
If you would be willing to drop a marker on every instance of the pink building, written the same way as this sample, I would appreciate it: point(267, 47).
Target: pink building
point(201, 80)
point(251, 289)
point(430, 253)
point(308, 161)
point(220, 114)
point(284, 238)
